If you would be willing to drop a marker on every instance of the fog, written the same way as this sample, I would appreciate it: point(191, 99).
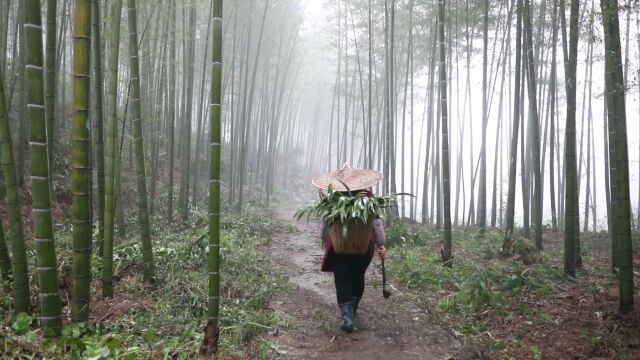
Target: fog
point(465, 109)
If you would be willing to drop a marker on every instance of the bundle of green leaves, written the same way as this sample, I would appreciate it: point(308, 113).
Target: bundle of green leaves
point(341, 206)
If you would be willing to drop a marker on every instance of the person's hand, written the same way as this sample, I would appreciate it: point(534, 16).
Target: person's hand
point(382, 251)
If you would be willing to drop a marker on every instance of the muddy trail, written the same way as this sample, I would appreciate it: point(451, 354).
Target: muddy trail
point(390, 328)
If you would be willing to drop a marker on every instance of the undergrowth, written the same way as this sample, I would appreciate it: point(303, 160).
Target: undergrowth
point(481, 276)
point(482, 288)
point(167, 320)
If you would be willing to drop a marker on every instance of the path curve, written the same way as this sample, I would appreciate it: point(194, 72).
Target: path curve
point(384, 329)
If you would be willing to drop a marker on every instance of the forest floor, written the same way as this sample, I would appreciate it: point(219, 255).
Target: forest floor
point(163, 321)
point(521, 306)
point(277, 304)
point(384, 328)
point(487, 306)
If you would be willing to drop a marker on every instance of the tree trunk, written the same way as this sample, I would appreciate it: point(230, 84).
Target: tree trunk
point(212, 332)
point(594, 207)
point(552, 110)
point(507, 246)
point(446, 251)
point(50, 81)
point(99, 118)
point(118, 203)
point(200, 130)
point(638, 74)
point(5, 261)
point(136, 122)
point(588, 169)
point(392, 108)
point(172, 110)
point(429, 106)
point(47, 267)
point(469, 49)
point(412, 212)
point(533, 104)
point(183, 196)
point(112, 153)
point(369, 110)
point(482, 187)
point(525, 168)
point(387, 102)
point(617, 120)
point(16, 232)
point(81, 163)
point(610, 186)
point(571, 215)
point(5, 8)
point(22, 95)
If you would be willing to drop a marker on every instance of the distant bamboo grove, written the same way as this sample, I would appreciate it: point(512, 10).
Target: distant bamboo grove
point(417, 84)
point(184, 92)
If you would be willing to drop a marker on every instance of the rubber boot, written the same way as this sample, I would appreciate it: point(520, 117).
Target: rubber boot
point(346, 315)
point(356, 301)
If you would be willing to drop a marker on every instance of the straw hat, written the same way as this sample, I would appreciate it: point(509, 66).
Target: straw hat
point(354, 178)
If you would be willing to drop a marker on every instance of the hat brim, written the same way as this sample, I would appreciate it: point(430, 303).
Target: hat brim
point(359, 179)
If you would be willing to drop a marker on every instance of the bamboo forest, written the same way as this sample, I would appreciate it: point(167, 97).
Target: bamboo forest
point(319, 179)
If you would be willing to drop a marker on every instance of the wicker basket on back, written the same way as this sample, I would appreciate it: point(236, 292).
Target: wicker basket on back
point(350, 179)
point(358, 237)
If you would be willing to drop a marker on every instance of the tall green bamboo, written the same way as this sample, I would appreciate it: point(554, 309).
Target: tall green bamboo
point(210, 344)
point(46, 264)
point(98, 118)
point(117, 186)
point(110, 155)
point(50, 77)
point(16, 233)
point(571, 212)
point(4, 33)
point(482, 186)
point(81, 163)
point(136, 122)
point(552, 106)
point(535, 126)
point(370, 103)
point(619, 161)
point(507, 245)
point(5, 260)
point(172, 108)
point(444, 119)
point(20, 138)
point(201, 106)
point(186, 151)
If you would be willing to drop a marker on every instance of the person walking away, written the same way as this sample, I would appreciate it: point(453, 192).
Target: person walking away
point(349, 268)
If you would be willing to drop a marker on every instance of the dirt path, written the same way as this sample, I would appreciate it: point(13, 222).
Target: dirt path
point(384, 328)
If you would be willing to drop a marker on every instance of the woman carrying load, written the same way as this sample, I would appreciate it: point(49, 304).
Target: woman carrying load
point(349, 266)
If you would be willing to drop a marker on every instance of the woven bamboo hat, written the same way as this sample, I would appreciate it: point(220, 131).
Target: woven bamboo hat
point(354, 178)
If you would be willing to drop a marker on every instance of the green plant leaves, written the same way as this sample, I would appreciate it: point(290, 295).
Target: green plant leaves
point(340, 207)
point(22, 323)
